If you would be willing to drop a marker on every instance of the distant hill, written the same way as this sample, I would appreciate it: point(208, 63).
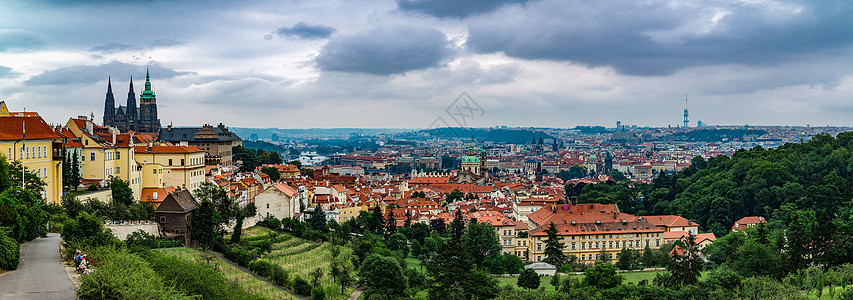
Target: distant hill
point(263, 146)
point(591, 129)
point(513, 136)
point(715, 135)
point(266, 133)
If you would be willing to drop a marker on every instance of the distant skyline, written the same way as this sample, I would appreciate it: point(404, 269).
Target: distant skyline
point(401, 63)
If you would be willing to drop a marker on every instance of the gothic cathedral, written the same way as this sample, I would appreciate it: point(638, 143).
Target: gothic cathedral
point(127, 118)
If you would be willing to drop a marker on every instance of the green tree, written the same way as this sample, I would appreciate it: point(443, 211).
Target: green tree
point(758, 259)
point(627, 259)
point(453, 196)
point(528, 279)
point(121, 191)
point(398, 242)
point(272, 172)
point(74, 174)
point(383, 277)
point(457, 227)
point(603, 276)
point(318, 218)
point(553, 247)
point(481, 241)
point(685, 266)
point(649, 258)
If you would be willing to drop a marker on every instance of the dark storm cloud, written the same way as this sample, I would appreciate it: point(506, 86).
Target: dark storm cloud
point(92, 74)
point(18, 39)
point(303, 30)
point(453, 8)
point(643, 38)
point(386, 50)
point(116, 47)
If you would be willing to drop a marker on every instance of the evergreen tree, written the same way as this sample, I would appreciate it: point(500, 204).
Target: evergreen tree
point(408, 222)
point(318, 218)
point(685, 266)
point(457, 227)
point(390, 224)
point(528, 280)
point(553, 247)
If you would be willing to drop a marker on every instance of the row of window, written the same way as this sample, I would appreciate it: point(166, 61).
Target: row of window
point(31, 152)
point(193, 161)
point(610, 236)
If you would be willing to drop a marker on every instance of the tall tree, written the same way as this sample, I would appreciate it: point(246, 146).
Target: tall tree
point(553, 247)
point(318, 218)
point(686, 263)
point(121, 191)
point(390, 224)
point(528, 279)
point(481, 241)
point(457, 227)
point(383, 276)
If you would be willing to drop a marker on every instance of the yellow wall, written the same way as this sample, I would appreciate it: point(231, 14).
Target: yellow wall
point(189, 176)
point(584, 246)
point(152, 176)
point(38, 159)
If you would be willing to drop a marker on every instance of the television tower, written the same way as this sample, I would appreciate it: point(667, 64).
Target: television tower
point(686, 122)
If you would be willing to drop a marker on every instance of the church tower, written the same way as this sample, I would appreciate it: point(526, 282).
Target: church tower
point(148, 120)
point(131, 106)
point(109, 105)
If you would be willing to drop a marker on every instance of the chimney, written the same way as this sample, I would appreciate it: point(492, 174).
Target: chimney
point(90, 127)
point(114, 135)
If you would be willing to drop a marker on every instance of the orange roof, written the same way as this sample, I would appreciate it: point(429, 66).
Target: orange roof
point(148, 194)
point(286, 189)
point(12, 128)
point(167, 149)
point(670, 221)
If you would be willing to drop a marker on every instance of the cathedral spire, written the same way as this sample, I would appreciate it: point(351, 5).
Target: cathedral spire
point(131, 102)
point(109, 104)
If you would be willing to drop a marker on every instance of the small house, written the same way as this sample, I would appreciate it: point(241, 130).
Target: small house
point(174, 215)
point(542, 269)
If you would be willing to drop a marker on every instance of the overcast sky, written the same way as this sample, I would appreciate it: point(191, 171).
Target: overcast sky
point(402, 63)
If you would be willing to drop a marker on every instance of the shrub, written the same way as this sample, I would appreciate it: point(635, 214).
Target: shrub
point(122, 275)
point(92, 188)
point(87, 231)
point(300, 286)
point(197, 279)
point(239, 256)
point(318, 293)
point(144, 239)
point(10, 251)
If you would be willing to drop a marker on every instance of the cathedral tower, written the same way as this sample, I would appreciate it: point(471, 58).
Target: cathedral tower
point(131, 106)
point(148, 120)
point(109, 105)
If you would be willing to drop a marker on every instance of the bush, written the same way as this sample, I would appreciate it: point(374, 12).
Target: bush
point(87, 231)
point(271, 222)
point(239, 256)
point(92, 188)
point(318, 293)
point(270, 271)
point(300, 286)
point(10, 251)
point(144, 239)
point(197, 279)
point(122, 275)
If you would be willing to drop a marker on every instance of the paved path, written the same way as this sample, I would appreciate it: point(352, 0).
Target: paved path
point(40, 275)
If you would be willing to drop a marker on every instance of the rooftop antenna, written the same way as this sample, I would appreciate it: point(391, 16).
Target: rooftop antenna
point(686, 122)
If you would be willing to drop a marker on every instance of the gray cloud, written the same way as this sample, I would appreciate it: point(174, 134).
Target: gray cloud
point(97, 73)
point(453, 8)
point(304, 30)
point(117, 47)
point(18, 39)
point(6, 72)
point(655, 38)
point(386, 50)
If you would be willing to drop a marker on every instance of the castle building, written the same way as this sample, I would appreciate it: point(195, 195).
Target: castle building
point(128, 117)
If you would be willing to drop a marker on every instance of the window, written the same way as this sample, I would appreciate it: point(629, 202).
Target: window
point(155, 171)
point(170, 161)
point(182, 161)
point(28, 152)
point(268, 206)
point(44, 172)
point(573, 246)
point(583, 256)
point(538, 247)
point(10, 152)
point(118, 171)
point(92, 156)
point(118, 155)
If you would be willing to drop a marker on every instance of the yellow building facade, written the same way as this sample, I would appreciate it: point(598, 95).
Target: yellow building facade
point(31, 141)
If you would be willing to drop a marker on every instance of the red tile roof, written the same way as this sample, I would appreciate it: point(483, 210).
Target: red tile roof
point(167, 149)
point(11, 128)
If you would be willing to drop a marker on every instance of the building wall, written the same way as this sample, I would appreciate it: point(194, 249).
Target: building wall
point(190, 175)
point(588, 247)
point(37, 156)
point(273, 202)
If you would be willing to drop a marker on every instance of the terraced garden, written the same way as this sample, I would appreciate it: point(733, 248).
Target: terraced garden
point(245, 281)
point(299, 257)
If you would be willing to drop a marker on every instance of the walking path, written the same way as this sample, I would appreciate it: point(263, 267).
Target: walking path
point(40, 274)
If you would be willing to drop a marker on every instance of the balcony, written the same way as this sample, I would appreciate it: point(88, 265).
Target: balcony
point(58, 151)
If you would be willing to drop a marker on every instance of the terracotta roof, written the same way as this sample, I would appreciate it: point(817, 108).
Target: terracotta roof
point(286, 189)
point(670, 221)
point(148, 194)
point(11, 128)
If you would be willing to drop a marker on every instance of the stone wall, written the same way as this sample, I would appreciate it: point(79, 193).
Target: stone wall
point(122, 230)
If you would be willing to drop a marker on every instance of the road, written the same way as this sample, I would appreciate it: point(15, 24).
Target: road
point(40, 275)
